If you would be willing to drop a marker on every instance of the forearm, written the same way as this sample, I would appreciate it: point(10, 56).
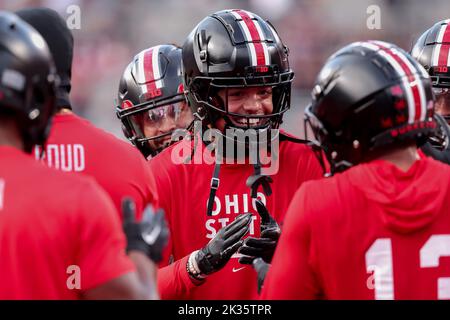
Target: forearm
point(146, 271)
point(174, 281)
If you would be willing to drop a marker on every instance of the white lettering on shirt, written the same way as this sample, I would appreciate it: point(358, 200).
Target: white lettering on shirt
point(64, 157)
point(221, 219)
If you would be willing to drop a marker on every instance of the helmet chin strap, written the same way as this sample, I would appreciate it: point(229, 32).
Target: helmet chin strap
point(258, 179)
point(213, 189)
point(253, 182)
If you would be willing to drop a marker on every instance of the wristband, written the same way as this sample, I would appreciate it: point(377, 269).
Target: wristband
point(192, 267)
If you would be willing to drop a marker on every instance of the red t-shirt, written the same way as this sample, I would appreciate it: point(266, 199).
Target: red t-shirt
point(75, 145)
point(372, 232)
point(184, 190)
point(58, 232)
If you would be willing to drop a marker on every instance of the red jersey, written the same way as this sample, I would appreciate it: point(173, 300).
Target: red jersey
point(372, 232)
point(75, 145)
point(59, 233)
point(184, 190)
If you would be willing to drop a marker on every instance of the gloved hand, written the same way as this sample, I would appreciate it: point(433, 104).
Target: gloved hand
point(218, 251)
point(261, 269)
point(150, 236)
point(263, 247)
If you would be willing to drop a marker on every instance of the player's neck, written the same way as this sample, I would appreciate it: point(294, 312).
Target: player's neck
point(10, 135)
point(64, 111)
point(402, 158)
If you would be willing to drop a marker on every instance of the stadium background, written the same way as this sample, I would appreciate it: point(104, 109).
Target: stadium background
point(112, 31)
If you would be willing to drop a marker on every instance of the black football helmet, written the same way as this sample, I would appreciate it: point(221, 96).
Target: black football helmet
point(151, 99)
point(432, 51)
point(27, 79)
point(235, 49)
point(369, 97)
point(53, 28)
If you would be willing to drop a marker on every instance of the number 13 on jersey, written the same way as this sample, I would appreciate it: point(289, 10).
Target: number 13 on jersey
point(379, 261)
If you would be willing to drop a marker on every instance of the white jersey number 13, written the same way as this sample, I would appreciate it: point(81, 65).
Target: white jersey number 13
point(379, 261)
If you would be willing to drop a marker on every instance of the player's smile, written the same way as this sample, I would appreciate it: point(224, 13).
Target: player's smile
point(244, 121)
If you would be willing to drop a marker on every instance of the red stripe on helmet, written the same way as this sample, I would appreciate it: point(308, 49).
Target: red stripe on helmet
point(413, 84)
point(444, 48)
point(149, 77)
point(443, 56)
point(411, 79)
point(260, 59)
point(446, 36)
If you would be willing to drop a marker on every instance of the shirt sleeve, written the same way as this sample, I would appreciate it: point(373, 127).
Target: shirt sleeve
point(174, 282)
point(160, 180)
point(101, 242)
point(291, 274)
point(148, 179)
point(142, 188)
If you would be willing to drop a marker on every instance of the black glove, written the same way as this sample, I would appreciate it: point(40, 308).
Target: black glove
point(261, 269)
point(150, 236)
point(263, 247)
point(215, 255)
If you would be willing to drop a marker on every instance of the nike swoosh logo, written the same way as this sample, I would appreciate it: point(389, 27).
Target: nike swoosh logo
point(238, 269)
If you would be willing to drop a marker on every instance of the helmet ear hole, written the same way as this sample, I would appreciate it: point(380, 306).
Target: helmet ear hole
point(38, 95)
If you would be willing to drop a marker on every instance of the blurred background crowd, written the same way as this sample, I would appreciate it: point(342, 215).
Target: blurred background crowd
point(112, 31)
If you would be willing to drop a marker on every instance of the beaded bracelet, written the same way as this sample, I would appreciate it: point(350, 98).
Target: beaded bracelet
point(192, 268)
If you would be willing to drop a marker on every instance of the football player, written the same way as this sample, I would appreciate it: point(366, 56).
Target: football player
point(152, 102)
point(370, 231)
point(238, 78)
point(74, 144)
point(432, 51)
point(59, 234)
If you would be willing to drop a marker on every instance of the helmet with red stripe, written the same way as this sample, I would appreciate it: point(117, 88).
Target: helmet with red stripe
point(368, 98)
point(233, 49)
point(432, 50)
point(151, 99)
